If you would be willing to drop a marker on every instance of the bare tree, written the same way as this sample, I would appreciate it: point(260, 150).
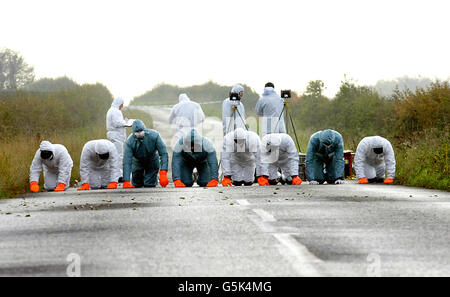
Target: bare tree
point(14, 71)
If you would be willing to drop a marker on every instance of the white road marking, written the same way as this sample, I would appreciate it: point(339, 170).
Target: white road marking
point(243, 202)
point(299, 256)
point(265, 216)
point(301, 259)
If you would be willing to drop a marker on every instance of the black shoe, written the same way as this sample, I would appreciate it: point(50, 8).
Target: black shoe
point(121, 179)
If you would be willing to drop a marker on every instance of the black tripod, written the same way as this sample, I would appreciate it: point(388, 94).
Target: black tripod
point(288, 119)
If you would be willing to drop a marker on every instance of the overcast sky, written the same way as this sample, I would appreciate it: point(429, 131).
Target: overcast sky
point(132, 45)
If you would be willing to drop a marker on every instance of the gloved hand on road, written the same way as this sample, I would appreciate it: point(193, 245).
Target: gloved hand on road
point(388, 181)
point(339, 182)
point(163, 180)
point(178, 184)
point(127, 185)
point(296, 180)
point(213, 183)
point(60, 187)
point(112, 185)
point(226, 181)
point(363, 181)
point(34, 187)
point(84, 187)
point(263, 181)
point(313, 182)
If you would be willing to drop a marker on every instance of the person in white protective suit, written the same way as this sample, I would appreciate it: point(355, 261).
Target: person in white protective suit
point(269, 107)
point(99, 165)
point(233, 120)
point(278, 151)
point(240, 157)
point(186, 115)
point(116, 128)
point(374, 161)
point(57, 164)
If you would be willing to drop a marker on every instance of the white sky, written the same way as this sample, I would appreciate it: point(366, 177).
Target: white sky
point(132, 45)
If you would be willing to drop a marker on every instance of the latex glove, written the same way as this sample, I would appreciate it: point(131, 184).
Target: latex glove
point(61, 187)
point(213, 183)
point(112, 185)
point(127, 185)
point(339, 182)
point(163, 180)
point(313, 182)
point(263, 181)
point(84, 187)
point(363, 181)
point(388, 181)
point(34, 187)
point(178, 184)
point(226, 182)
point(296, 180)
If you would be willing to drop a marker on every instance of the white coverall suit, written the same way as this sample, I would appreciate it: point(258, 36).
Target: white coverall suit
point(57, 169)
point(370, 165)
point(241, 153)
point(186, 115)
point(116, 129)
point(230, 120)
point(278, 151)
point(96, 172)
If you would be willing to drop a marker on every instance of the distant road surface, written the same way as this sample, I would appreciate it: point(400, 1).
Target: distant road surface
point(328, 230)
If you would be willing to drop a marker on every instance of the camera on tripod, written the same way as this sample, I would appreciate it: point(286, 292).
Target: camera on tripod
point(235, 97)
point(285, 94)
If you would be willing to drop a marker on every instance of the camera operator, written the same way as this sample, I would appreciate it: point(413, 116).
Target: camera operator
point(269, 107)
point(230, 120)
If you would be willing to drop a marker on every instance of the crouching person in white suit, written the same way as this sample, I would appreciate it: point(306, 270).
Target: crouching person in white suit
point(57, 164)
point(240, 157)
point(375, 161)
point(99, 165)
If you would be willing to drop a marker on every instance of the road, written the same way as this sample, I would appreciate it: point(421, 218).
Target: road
point(327, 230)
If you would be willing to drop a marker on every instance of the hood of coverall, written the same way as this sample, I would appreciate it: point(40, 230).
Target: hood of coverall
point(46, 146)
point(138, 125)
point(194, 141)
point(183, 98)
point(272, 141)
point(237, 89)
point(101, 147)
point(117, 102)
point(326, 136)
point(268, 91)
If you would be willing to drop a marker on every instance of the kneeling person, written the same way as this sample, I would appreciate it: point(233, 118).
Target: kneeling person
point(375, 160)
point(240, 157)
point(325, 149)
point(194, 151)
point(99, 165)
point(145, 155)
point(278, 152)
point(57, 164)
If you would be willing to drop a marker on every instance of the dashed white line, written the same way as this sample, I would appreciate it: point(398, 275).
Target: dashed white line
point(243, 202)
point(301, 259)
point(265, 216)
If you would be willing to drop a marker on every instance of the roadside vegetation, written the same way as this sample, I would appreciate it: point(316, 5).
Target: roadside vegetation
point(64, 113)
point(416, 122)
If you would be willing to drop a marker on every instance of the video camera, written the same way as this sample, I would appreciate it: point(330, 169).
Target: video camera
point(285, 94)
point(234, 96)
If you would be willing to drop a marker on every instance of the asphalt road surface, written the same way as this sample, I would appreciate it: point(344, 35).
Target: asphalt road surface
point(327, 230)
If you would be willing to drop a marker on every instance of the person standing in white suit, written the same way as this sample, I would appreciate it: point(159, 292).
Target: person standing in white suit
point(186, 115)
point(116, 128)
